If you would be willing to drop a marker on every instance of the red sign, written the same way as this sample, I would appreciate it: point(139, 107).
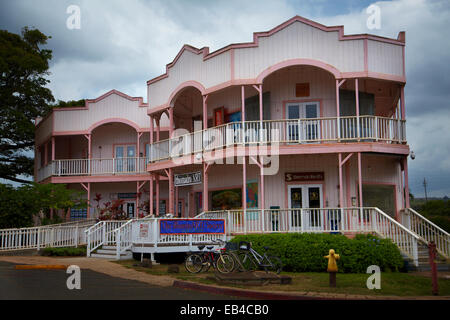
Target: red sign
point(304, 176)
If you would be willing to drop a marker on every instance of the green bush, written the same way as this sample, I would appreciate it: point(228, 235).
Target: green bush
point(64, 252)
point(304, 252)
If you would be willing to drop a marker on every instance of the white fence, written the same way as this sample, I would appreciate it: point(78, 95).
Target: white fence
point(79, 167)
point(350, 220)
point(297, 131)
point(427, 230)
point(63, 235)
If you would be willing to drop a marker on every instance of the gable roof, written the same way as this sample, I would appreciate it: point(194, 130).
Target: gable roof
point(256, 35)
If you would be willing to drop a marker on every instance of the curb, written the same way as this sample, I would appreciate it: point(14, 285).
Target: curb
point(245, 293)
point(41, 267)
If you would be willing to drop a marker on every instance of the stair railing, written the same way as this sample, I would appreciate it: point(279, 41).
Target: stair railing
point(124, 239)
point(405, 239)
point(427, 230)
point(95, 237)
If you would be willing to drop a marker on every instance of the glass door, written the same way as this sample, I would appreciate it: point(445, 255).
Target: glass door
point(130, 209)
point(131, 158)
point(307, 130)
point(309, 198)
point(119, 158)
point(295, 202)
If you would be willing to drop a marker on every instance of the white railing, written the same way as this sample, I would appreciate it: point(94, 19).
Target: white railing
point(79, 167)
point(427, 230)
point(351, 220)
point(63, 235)
point(124, 239)
point(296, 131)
point(102, 233)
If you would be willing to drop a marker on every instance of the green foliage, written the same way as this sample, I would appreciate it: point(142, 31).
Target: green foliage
point(19, 205)
point(304, 252)
point(64, 252)
point(69, 104)
point(23, 96)
point(438, 211)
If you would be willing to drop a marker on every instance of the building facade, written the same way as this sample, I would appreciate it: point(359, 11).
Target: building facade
point(303, 116)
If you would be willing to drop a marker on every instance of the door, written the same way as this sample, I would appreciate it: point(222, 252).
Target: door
point(131, 159)
point(307, 130)
point(130, 209)
point(119, 158)
point(295, 205)
point(309, 198)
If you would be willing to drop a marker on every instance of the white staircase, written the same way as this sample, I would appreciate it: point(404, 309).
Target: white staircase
point(110, 253)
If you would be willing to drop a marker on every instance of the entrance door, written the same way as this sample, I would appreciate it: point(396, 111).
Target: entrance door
point(130, 209)
point(308, 197)
point(309, 130)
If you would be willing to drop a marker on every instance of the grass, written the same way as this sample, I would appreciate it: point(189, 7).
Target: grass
point(392, 283)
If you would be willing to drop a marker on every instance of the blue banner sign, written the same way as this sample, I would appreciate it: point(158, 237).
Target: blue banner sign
point(192, 226)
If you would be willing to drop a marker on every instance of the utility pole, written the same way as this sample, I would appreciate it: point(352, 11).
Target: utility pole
point(425, 187)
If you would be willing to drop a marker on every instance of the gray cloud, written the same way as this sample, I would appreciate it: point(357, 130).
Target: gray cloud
point(121, 45)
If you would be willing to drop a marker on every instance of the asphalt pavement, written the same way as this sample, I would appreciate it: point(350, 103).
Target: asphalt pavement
point(51, 285)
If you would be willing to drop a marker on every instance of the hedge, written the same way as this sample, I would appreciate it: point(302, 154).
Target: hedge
point(64, 252)
point(304, 252)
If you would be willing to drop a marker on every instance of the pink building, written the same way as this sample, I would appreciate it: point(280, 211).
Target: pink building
point(302, 117)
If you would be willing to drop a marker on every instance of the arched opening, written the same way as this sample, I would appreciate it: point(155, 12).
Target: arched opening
point(187, 109)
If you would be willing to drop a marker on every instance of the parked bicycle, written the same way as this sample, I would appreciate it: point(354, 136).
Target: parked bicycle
point(250, 260)
point(201, 261)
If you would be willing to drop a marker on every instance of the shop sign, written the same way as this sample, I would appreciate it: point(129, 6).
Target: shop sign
point(187, 179)
point(304, 176)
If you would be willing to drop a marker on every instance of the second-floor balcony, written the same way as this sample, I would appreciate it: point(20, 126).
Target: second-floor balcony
point(89, 167)
point(283, 132)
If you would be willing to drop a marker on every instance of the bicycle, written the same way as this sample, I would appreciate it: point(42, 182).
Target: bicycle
point(203, 260)
point(251, 260)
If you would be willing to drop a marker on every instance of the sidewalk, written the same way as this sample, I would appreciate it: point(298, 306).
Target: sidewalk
point(115, 270)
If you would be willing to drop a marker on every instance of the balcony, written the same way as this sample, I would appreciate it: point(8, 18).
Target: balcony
point(89, 167)
point(282, 132)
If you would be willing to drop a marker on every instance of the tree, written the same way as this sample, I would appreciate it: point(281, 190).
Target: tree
point(19, 205)
point(23, 97)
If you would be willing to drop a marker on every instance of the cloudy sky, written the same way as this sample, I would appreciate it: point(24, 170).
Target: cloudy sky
point(122, 44)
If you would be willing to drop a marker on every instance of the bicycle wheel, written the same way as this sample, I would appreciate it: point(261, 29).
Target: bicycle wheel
point(193, 263)
point(246, 262)
point(225, 263)
point(276, 264)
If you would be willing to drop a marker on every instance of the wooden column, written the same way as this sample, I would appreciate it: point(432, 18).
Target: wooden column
point(244, 160)
point(205, 112)
point(360, 180)
point(53, 148)
point(157, 194)
point(205, 186)
point(405, 166)
point(171, 191)
point(176, 203)
point(341, 184)
point(357, 109)
point(150, 203)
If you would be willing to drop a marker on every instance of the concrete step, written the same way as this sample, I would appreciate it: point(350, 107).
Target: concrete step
point(109, 252)
point(123, 256)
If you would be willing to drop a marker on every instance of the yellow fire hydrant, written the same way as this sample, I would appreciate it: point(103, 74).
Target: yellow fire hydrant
point(332, 266)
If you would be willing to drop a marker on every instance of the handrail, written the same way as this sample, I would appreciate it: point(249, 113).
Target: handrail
point(42, 236)
point(94, 237)
point(304, 130)
point(124, 239)
point(367, 219)
point(427, 231)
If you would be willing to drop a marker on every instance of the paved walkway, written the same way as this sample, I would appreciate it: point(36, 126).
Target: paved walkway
point(115, 270)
